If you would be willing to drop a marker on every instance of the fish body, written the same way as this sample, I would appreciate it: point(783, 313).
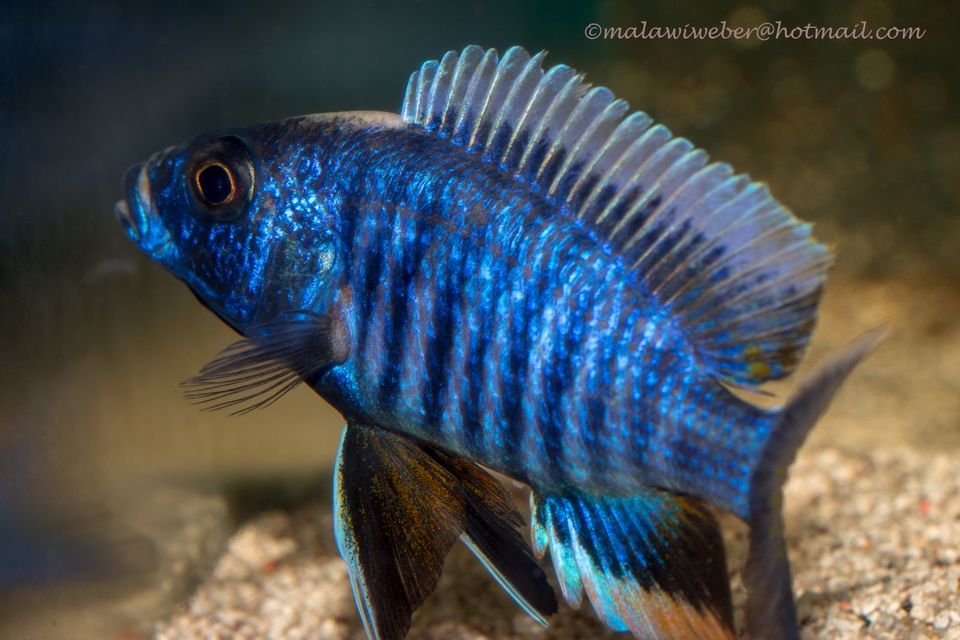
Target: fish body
point(512, 273)
point(490, 324)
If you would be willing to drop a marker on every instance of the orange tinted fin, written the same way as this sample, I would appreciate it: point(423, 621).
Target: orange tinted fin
point(652, 564)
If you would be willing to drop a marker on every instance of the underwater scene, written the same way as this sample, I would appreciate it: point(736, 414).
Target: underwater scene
point(654, 307)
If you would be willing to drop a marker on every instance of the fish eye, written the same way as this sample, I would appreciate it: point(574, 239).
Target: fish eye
point(215, 184)
point(220, 177)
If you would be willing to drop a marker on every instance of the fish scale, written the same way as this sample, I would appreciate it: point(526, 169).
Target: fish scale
point(515, 274)
point(523, 433)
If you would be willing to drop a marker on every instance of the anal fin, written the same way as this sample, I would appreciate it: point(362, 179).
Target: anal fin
point(491, 533)
point(652, 564)
point(400, 507)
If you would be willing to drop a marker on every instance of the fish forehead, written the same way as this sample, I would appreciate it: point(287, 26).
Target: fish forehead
point(384, 119)
point(297, 134)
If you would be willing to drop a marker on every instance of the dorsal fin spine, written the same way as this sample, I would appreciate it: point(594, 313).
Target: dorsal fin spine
point(610, 117)
point(679, 169)
point(481, 76)
point(582, 121)
point(581, 101)
point(478, 119)
point(456, 86)
point(410, 96)
point(733, 184)
point(440, 88)
point(428, 71)
point(507, 64)
point(650, 138)
point(555, 105)
point(549, 94)
point(619, 144)
point(541, 93)
point(631, 226)
point(530, 72)
point(465, 78)
point(670, 200)
point(422, 84)
point(579, 123)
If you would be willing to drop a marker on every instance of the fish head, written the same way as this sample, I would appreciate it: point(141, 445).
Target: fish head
point(240, 217)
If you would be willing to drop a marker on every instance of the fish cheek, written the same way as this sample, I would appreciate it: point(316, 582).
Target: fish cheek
point(303, 273)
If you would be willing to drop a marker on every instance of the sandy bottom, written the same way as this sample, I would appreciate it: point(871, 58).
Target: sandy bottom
point(872, 540)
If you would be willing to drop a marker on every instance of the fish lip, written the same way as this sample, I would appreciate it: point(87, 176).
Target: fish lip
point(130, 211)
point(136, 212)
point(122, 212)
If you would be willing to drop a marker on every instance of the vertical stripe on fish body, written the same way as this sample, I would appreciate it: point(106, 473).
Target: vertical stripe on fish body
point(493, 323)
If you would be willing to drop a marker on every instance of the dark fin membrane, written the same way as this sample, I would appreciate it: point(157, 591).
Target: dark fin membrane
point(491, 533)
point(256, 372)
point(733, 267)
point(398, 514)
point(652, 564)
point(771, 613)
point(398, 510)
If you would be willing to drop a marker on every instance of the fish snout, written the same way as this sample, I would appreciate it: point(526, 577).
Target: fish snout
point(122, 211)
point(130, 211)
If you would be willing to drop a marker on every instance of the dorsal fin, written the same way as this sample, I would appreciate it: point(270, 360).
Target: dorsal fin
point(734, 268)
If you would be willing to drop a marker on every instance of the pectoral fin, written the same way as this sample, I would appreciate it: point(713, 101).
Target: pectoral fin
point(399, 507)
point(257, 371)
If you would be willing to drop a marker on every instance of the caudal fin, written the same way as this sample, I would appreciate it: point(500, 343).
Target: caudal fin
point(771, 613)
point(652, 564)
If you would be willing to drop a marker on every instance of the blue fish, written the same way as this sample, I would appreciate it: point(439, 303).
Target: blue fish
point(515, 273)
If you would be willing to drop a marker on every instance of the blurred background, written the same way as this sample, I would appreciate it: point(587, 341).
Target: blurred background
point(116, 494)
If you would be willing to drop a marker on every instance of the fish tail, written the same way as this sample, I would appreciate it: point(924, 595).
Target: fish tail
point(771, 613)
point(652, 563)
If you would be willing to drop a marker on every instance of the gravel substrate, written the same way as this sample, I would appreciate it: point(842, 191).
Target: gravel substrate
point(873, 539)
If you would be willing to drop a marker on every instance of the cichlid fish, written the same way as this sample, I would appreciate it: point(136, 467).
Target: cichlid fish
point(518, 274)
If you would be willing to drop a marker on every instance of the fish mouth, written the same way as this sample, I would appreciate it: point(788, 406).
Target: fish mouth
point(122, 211)
point(134, 211)
point(129, 211)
